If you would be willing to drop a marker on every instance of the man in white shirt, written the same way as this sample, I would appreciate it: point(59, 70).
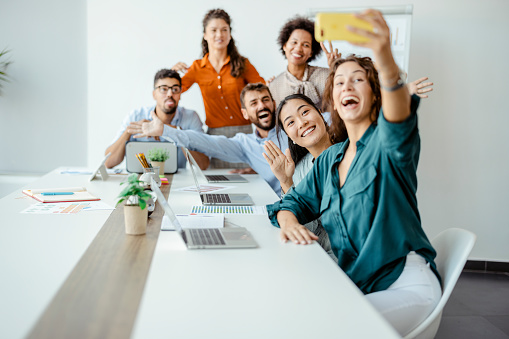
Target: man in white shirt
point(257, 106)
point(167, 91)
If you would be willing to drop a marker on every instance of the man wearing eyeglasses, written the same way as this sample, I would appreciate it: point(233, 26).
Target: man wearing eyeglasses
point(167, 91)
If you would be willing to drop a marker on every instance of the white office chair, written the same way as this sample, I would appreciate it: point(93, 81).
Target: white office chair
point(453, 247)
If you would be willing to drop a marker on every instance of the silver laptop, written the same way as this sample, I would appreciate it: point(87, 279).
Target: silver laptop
point(215, 177)
point(218, 199)
point(206, 238)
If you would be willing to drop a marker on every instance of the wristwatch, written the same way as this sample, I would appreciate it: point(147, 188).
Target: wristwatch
point(399, 83)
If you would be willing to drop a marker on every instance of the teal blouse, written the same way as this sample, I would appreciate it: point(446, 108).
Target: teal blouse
point(372, 221)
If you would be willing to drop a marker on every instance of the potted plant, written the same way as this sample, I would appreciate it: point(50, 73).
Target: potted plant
point(157, 157)
point(135, 211)
point(3, 68)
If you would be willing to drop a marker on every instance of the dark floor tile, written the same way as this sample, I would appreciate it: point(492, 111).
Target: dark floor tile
point(475, 265)
point(500, 321)
point(455, 307)
point(468, 327)
point(483, 294)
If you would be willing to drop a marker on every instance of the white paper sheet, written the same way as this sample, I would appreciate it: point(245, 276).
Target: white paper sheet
point(194, 221)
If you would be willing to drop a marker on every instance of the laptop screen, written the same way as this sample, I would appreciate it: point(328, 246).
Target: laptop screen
point(192, 164)
point(162, 201)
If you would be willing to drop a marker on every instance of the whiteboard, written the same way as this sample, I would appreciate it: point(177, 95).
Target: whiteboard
point(399, 20)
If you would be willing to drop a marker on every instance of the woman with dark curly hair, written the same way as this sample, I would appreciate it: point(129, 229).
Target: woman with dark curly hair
point(299, 47)
point(221, 74)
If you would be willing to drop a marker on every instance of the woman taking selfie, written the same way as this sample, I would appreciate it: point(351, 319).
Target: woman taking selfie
point(221, 74)
point(364, 188)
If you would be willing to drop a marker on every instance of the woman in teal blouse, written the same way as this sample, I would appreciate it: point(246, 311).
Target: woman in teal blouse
point(364, 189)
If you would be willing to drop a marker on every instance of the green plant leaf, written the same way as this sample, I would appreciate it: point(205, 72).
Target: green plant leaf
point(158, 154)
point(142, 204)
point(134, 189)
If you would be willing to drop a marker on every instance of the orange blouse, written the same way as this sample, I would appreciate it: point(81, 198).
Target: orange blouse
point(220, 91)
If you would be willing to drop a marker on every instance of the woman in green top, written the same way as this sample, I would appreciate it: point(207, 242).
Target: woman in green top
point(364, 188)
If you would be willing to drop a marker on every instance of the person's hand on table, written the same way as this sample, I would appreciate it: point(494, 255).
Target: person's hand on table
point(297, 233)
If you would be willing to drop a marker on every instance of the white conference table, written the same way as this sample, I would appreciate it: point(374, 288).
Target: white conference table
point(37, 252)
point(274, 291)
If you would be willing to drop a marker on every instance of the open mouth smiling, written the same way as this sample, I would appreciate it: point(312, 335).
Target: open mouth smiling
point(262, 115)
point(306, 132)
point(349, 100)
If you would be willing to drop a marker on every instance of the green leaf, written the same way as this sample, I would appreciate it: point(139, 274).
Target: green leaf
point(142, 204)
point(158, 154)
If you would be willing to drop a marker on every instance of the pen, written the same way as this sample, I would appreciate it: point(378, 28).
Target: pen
point(57, 193)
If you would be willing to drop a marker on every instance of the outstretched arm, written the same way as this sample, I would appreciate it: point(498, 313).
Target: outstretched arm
point(395, 98)
point(217, 146)
point(117, 149)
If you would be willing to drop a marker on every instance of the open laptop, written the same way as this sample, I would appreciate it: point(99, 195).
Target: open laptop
point(215, 177)
point(134, 147)
point(206, 238)
point(218, 199)
point(101, 172)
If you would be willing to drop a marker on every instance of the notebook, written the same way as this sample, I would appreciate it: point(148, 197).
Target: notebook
point(218, 199)
point(206, 238)
point(215, 178)
point(61, 194)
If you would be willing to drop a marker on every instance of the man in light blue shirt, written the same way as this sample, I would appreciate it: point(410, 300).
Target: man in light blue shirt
point(167, 90)
point(258, 106)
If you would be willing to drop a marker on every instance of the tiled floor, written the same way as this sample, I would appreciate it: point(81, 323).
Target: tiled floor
point(477, 308)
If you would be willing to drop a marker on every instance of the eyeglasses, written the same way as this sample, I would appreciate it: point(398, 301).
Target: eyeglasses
point(163, 89)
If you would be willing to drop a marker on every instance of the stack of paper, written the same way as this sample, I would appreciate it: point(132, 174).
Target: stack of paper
point(67, 194)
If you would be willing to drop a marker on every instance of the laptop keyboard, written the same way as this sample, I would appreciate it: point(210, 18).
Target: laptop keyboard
point(217, 178)
point(208, 236)
point(218, 198)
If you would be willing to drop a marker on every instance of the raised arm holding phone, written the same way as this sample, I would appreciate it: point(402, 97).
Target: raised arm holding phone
point(364, 187)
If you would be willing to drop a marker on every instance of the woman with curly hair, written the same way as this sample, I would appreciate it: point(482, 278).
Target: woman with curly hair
point(221, 74)
point(299, 47)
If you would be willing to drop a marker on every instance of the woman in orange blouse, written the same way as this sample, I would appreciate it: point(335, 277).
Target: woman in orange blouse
point(221, 74)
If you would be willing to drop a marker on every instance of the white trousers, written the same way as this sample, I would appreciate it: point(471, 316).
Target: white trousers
point(411, 298)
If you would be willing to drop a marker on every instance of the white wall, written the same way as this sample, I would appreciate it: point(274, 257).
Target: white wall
point(43, 110)
point(459, 44)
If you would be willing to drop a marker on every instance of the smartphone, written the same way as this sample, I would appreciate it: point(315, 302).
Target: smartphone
point(332, 26)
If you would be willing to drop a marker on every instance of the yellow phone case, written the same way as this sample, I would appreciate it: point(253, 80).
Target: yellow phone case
point(332, 26)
